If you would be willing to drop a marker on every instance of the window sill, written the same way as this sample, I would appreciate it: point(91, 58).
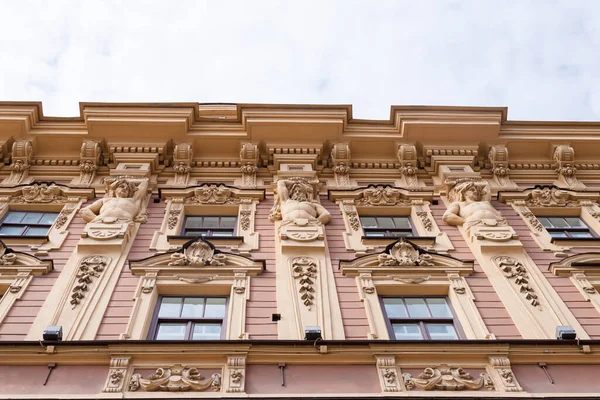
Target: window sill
point(180, 240)
point(27, 240)
point(576, 241)
point(384, 241)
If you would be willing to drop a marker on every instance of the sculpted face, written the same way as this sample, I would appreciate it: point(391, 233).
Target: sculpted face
point(122, 190)
point(472, 194)
point(298, 194)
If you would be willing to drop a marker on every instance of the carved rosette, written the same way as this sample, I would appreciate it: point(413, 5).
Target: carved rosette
point(504, 376)
point(515, 271)
point(444, 377)
point(116, 375)
point(304, 271)
point(177, 378)
point(388, 374)
point(197, 254)
point(89, 268)
point(212, 194)
point(235, 375)
point(402, 253)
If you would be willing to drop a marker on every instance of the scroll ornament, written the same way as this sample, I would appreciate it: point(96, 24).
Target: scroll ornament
point(404, 254)
point(198, 253)
point(447, 378)
point(42, 193)
point(381, 196)
point(177, 378)
point(211, 194)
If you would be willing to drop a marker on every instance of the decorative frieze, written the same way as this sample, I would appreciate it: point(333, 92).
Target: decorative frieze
point(212, 194)
point(176, 378)
point(445, 377)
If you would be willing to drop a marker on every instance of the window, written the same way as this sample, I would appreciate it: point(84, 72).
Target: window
point(387, 226)
point(27, 223)
point(189, 318)
point(419, 318)
point(209, 226)
point(566, 227)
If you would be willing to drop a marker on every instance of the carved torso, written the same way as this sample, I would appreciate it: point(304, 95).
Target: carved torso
point(118, 208)
point(294, 209)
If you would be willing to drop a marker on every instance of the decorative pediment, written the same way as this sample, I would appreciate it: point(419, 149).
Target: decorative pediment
point(13, 262)
point(197, 256)
point(212, 194)
point(548, 196)
point(44, 193)
point(586, 263)
point(381, 196)
point(405, 256)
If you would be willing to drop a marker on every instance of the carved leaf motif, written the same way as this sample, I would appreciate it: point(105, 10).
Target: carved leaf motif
point(89, 268)
point(381, 196)
point(40, 194)
point(425, 220)
point(175, 379)
point(550, 197)
point(447, 378)
point(210, 194)
point(516, 272)
point(245, 219)
point(304, 270)
point(404, 254)
point(353, 219)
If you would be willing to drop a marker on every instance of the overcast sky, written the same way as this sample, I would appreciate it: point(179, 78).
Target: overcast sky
point(539, 58)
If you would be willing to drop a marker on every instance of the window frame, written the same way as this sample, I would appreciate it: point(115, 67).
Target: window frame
point(156, 320)
point(27, 226)
point(210, 230)
point(568, 230)
point(421, 321)
point(387, 231)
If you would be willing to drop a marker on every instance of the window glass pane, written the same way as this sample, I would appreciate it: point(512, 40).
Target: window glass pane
point(206, 332)
point(32, 218)
point(558, 222)
point(544, 221)
point(196, 232)
point(48, 218)
point(581, 234)
point(11, 230)
point(170, 307)
point(215, 307)
point(394, 308)
point(558, 234)
point(441, 331)
point(439, 308)
point(575, 222)
point(368, 222)
point(385, 222)
point(416, 307)
point(211, 222)
point(222, 233)
point(193, 222)
point(14, 217)
point(396, 233)
point(193, 307)
point(171, 331)
point(36, 231)
point(228, 222)
point(374, 234)
point(402, 222)
point(407, 332)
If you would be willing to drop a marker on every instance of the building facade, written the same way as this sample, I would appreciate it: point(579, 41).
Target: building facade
point(281, 251)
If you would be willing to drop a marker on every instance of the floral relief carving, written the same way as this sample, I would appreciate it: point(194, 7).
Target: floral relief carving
point(64, 215)
point(116, 374)
point(516, 272)
point(389, 375)
point(403, 253)
point(425, 220)
point(245, 219)
point(42, 193)
point(447, 378)
point(198, 253)
point(410, 280)
point(381, 196)
point(531, 219)
point(211, 194)
point(305, 272)
point(177, 378)
point(182, 170)
point(89, 268)
point(550, 197)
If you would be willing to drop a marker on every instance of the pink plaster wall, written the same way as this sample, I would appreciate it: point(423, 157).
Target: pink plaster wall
point(304, 379)
point(64, 379)
point(567, 378)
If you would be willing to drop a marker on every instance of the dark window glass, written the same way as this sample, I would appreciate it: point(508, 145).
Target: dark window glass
point(218, 226)
point(387, 226)
point(189, 318)
point(27, 223)
point(419, 318)
point(566, 227)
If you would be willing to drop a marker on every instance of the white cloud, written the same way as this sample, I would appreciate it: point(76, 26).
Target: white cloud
point(539, 58)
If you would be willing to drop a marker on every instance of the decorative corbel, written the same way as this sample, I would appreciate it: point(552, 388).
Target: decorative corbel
point(407, 155)
point(89, 162)
point(22, 153)
point(498, 156)
point(340, 156)
point(564, 159)
point(501, 373)
point(182, 163)
point(235, 375)
point(249, 158)
point(389, 376)
point(115, 381)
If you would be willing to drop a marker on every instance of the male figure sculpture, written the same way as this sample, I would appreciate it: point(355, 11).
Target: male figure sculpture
point(296, 202)
point(469, 207)
point(122, 203)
